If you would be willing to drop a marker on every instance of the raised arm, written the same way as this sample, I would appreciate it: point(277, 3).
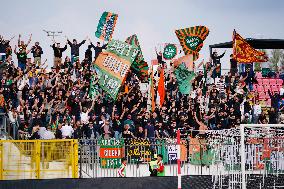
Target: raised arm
point(221, 56)
point(15, 50)
point(19, 40)
point(93, 104)
point(69, 42)
point(82, 42)
point(30, 39)
point(64, 48)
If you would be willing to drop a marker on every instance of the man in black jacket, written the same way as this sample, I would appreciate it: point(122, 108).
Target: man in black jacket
point(217, 64)
point(98, 49)
point(37, 52)
point(75, 49)
point(274, 100)
point(234, 65)
point(58, 53)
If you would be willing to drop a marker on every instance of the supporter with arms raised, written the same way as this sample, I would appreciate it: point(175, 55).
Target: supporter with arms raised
point(57, 51)
point(75, 49)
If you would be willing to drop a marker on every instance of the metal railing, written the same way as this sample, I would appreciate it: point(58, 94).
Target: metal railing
point(3, 125)
point(215, 153)
point(101, 158)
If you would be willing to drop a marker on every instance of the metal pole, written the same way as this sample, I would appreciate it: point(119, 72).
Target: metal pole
point(80, 173)
point(178, 159)
point(243, 158)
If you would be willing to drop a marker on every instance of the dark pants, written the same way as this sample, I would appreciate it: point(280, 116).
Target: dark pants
point(22, 65)
point(86, 130)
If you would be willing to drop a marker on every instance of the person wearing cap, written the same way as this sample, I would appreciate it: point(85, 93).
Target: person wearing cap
point(57, 51)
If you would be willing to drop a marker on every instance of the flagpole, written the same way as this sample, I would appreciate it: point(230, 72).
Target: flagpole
point(234, 45)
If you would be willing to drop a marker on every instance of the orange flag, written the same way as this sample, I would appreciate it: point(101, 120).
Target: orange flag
point(161, 87)
point(244, 53)
point(126, 90)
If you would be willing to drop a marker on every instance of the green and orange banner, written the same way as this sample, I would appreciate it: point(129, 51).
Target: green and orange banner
point(106, 26)
point(111, 151)
point(139, 66)
point(113, 65)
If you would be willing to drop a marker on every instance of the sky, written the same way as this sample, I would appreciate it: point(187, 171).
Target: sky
point(154, 21)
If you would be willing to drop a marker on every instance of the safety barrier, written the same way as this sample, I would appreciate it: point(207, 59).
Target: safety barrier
point(230, 157)
point(3, 125)
point(38, 159)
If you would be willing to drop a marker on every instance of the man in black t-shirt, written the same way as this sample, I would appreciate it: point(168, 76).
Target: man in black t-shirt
point(22, 56)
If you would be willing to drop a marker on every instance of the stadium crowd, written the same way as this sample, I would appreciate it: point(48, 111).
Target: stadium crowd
point(57, 104)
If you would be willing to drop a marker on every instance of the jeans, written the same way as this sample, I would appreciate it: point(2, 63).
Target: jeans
point(242, 68)
point(74, 58)
point(212, 126)
point(117, 135)
point(15, 130)
point(255, 119)
point(250, 86)
point(22, 65)
point(2, 57)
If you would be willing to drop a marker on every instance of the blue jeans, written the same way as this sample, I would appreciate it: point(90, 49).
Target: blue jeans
point(22, 65)
point(242, 68)
point(2, 57)
point(73, 58)
point(117, 135)
point(212, 126)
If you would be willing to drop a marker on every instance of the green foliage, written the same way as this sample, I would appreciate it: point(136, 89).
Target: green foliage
point(257, 67)
point(275, 59)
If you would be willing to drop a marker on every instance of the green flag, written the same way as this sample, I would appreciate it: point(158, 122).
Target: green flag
point(184, 77)
point(106, 26)
point(139, 66)
point(112, 65)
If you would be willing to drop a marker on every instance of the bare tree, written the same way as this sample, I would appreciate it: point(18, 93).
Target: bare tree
point(281, 65)
point(274, 59)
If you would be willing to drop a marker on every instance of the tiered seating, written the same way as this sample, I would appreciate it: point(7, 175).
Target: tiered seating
point(265, 84)
point(279, 82)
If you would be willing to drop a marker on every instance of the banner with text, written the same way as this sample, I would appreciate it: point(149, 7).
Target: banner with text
point(106, 26)
point(191, 39)
point(112, 65)
point(111, 152)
